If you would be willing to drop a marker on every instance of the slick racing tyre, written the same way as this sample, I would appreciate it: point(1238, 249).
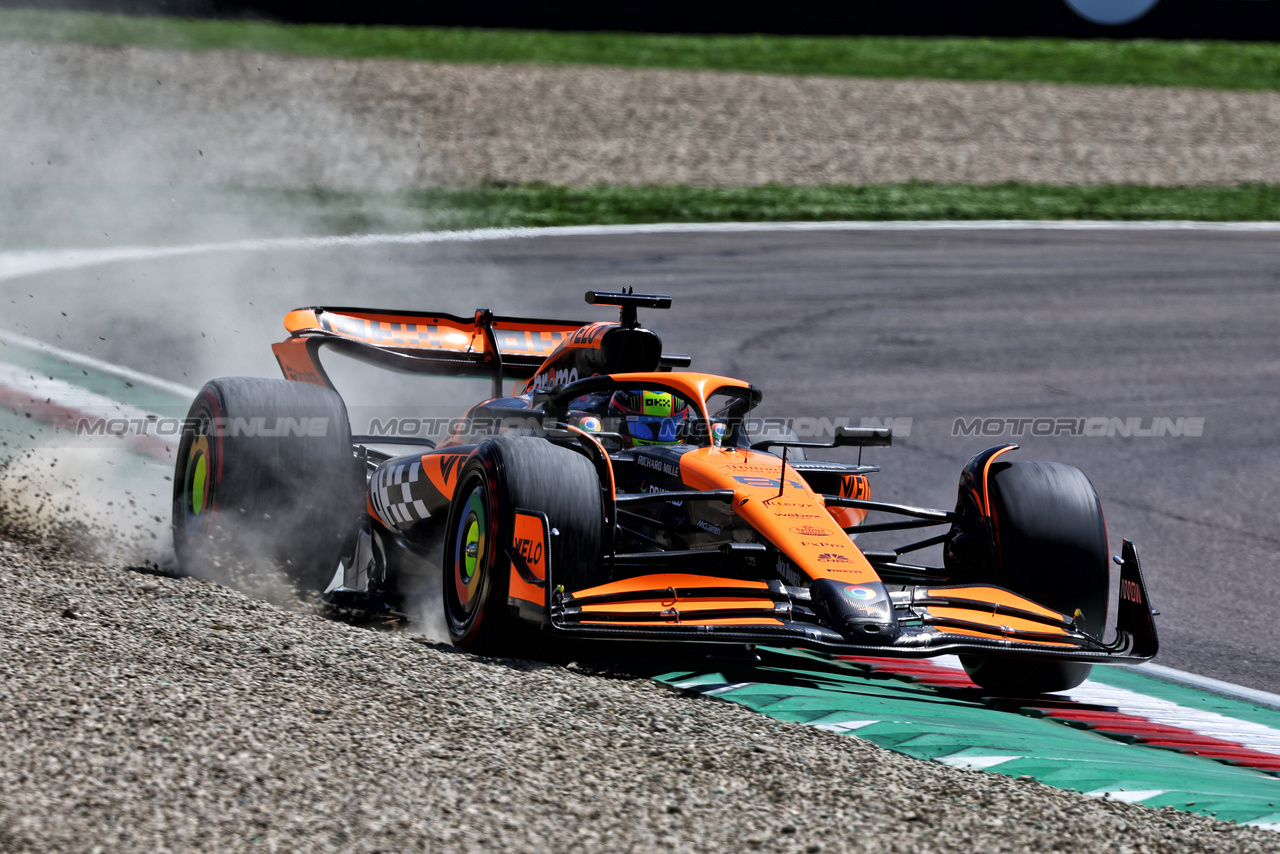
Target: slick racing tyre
point(265, 484)
point(505, 473)
point(1051, 546)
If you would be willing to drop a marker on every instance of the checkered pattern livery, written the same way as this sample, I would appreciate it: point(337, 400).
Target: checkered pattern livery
point(439, 336)
point(419, 335)
point(392, 493)
point(528, 341)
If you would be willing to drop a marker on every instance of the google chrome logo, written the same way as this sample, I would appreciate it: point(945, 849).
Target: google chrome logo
point(1111, 12)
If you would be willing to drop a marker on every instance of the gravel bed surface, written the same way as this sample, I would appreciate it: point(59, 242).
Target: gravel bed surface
point(75, 112)
point(143, 712)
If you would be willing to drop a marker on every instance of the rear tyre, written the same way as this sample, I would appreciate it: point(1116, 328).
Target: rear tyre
point(265, 484)
point(1051, 546)
point(503, 474)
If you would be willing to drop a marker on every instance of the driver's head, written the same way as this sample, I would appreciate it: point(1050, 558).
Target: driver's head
point(649, 417)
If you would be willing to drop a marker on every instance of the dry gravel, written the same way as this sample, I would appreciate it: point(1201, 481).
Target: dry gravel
point(143, 712)
point(73, 113)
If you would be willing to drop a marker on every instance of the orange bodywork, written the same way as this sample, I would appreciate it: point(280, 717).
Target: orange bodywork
point(674, 620)
point(418, 332)
point(529, 543)
point(693, 387)
point(298, 362)
point(676, 598)
point(669, 597)
point(1012, 628)
point(1014, 624)
point(989, 612)
point(673, 581)
point(851, 486)
point(443, 470)
point(695, 604)
point(993, 598)
point(776, 501)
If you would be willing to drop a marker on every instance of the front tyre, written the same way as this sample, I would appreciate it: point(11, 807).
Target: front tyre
point(503, 474)
point(1050, 546)
point(265, 483)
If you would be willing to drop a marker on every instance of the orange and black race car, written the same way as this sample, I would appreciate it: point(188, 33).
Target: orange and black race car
point(619, 496)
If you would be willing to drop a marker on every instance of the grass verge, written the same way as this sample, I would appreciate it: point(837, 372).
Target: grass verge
point(49, 215)
point(1222, 65)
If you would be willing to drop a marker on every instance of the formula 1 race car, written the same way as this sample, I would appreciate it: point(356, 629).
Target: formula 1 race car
point(617, 496)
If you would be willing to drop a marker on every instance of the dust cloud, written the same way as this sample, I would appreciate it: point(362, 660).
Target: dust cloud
point(124, 147)
point(92, 503)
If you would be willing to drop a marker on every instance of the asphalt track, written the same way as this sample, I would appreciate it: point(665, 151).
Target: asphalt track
point(933, 325)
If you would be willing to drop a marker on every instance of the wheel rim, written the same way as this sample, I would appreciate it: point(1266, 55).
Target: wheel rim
point(197, 483)
point(470, 559)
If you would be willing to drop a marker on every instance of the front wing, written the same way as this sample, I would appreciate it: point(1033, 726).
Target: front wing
point(932, 620)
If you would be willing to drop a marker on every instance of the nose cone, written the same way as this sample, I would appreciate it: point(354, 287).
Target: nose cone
point(861, 612)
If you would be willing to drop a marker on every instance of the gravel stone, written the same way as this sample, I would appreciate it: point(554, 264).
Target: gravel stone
point(196, 718)
point(77, 113)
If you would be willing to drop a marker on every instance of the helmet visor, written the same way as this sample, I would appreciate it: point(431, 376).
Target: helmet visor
point(653, 429)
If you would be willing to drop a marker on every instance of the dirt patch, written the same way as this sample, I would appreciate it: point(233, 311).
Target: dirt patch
point(81, 113)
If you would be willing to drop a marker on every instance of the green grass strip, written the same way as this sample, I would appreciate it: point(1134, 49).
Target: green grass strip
point(541, 205)
point(1220, 65)
point(43, 215)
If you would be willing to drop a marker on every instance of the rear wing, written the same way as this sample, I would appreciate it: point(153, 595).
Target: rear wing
point(420, 342)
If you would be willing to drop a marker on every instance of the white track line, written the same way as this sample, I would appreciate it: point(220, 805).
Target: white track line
point(1245, 733)
point(1248, 734)
point(97, 365)
point(978, 761)
point(68, 396)
point(14, 265)
point(1169, 674)
point(1213, 686)
point(1129, 797)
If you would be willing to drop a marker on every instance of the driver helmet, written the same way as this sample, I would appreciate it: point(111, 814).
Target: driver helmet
point(647, 417)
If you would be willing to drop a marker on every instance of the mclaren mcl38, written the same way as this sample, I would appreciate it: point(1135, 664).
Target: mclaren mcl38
point(618, 495)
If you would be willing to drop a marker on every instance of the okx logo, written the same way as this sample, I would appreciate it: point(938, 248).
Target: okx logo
point(1111, 13)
